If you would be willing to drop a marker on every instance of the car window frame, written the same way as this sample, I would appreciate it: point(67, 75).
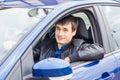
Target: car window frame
point(70, 11)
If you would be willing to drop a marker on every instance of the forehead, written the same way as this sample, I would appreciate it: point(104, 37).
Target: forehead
point(67, 25)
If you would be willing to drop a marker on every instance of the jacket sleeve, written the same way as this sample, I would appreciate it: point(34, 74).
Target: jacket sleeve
point(88, 52)
point(36, 54)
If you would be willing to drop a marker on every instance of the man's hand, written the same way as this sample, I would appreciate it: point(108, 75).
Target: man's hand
point(67, 59)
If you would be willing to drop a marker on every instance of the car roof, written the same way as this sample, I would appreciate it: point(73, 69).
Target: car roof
point(48, 3)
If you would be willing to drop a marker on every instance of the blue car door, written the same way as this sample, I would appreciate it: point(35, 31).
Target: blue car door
point(105, 69)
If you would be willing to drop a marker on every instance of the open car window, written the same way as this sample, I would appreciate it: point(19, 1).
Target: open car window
point(83, 32)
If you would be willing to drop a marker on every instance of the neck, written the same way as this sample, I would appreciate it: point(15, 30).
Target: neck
point(59, 46)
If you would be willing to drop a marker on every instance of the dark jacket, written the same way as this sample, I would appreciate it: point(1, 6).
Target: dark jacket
point(77, 50)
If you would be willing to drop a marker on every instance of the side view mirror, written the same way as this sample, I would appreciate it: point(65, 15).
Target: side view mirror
point(52, 68)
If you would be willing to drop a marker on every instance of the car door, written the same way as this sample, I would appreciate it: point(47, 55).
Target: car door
point(113, 18)
point(104, 69)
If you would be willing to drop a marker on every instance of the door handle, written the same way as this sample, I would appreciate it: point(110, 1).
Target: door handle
point(106, 76)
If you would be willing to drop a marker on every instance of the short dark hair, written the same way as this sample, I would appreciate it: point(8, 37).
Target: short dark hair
point(73, 20)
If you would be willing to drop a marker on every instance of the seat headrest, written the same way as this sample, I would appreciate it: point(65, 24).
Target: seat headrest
point(82, 31)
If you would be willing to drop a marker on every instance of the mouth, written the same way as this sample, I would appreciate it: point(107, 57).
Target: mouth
point(60, 38)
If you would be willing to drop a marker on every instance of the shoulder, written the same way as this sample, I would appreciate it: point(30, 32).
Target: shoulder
point(48, 41)
point(78, 42)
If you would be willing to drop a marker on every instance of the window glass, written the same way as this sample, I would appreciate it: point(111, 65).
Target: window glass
point(112, 14)
point(15, 23)
point(85, 18)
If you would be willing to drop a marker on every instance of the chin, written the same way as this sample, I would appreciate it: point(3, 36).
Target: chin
point(60, 42)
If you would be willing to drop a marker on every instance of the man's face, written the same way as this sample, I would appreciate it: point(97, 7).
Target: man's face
point(64, 33)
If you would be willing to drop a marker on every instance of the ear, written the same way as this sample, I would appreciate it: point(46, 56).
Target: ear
point(74, 32)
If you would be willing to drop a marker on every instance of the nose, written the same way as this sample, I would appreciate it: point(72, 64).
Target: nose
point(61, 32)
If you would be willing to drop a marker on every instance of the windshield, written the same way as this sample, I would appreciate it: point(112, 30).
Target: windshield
point(15, 23)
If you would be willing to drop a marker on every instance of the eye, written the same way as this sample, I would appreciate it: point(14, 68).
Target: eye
point(57, 28)
point(65, 29)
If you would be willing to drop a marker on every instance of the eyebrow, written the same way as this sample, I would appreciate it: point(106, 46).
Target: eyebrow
point(56, 27)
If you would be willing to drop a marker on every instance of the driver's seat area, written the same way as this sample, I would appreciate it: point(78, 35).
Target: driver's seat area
point(83, 32)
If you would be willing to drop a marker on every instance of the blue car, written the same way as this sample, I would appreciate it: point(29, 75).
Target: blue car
point(25, 23)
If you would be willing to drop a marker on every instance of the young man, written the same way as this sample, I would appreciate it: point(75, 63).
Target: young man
point(64, 46)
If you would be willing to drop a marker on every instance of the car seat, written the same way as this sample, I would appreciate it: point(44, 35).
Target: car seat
point(82, 31)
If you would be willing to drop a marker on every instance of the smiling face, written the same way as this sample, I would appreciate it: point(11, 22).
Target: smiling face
point(65, 30)
point(64, 34)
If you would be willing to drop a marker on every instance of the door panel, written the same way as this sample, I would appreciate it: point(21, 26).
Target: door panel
point(97, 70)
point(117, 56)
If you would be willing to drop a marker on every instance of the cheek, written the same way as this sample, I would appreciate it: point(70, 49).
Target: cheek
point(69, 36)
